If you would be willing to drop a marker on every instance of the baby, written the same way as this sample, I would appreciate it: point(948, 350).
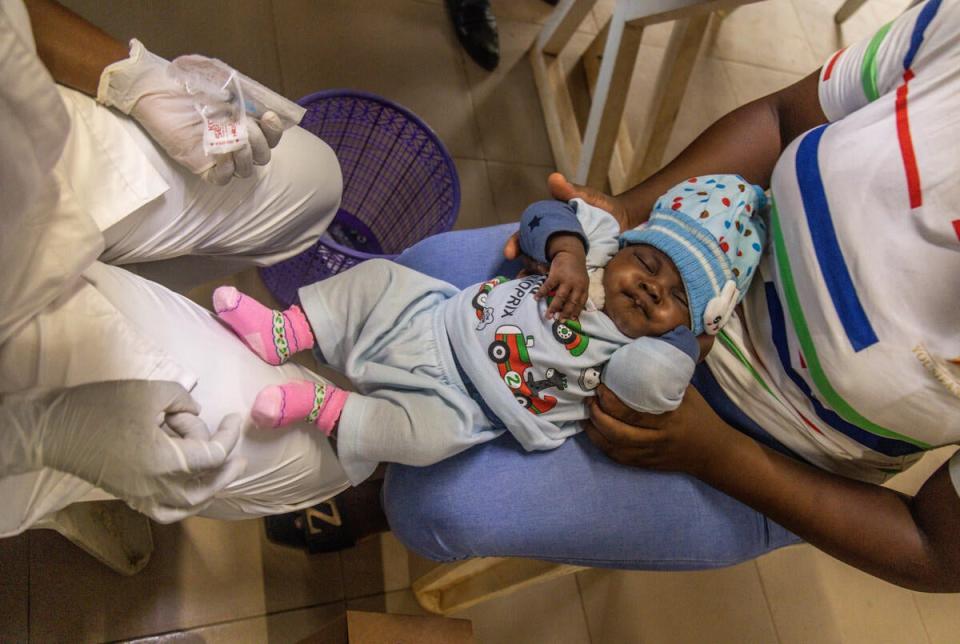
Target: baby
point(438, 370)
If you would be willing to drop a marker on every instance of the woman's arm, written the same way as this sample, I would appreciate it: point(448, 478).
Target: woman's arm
point(912, 542)
point(73, 50)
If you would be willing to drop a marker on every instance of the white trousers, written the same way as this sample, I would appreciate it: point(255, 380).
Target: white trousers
point(189, 235)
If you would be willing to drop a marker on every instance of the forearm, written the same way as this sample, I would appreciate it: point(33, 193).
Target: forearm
point(909, 542)
point(73, 50)
point(747, 141)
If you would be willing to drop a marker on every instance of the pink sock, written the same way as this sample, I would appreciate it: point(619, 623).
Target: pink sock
point(317, 402)
point(273, 335)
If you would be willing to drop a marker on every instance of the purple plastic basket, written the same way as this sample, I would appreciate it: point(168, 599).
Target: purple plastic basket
point(399, 186)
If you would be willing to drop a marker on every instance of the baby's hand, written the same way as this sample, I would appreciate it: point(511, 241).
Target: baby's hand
point(567, 280)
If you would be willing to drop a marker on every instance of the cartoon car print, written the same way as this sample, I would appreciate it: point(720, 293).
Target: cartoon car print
point(509, 351)
point(589, 378)
point(571, 335)
point(479, 302)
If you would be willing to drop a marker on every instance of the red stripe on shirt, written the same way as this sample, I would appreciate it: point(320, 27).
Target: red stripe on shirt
point(956, 227)
point(833, 61)
point(906, 144)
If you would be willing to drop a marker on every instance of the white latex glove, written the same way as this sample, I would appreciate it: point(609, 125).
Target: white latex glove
point(139, 440)
point(141, 87)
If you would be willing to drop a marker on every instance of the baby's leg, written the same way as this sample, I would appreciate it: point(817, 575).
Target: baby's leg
point(299, 400)
point(273, 335)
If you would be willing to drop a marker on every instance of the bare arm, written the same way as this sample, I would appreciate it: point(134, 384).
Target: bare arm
point(913, 542)
point(73, 50)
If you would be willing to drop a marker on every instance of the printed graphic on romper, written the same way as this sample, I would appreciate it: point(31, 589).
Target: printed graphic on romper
point(509, 348)
point(509, 351)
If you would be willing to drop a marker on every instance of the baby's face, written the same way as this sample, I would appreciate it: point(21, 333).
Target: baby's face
point(644, 292)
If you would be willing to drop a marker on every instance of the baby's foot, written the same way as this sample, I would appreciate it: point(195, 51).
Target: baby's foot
point(273, 335)
point(316, 402)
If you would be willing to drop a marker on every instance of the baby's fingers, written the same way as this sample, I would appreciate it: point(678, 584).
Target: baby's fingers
point(574, 304)
point(560, 299)
point(548, 285)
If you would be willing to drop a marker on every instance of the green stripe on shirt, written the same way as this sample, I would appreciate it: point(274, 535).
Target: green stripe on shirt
point(735, 350)
point(830, 395)
point(868, 69)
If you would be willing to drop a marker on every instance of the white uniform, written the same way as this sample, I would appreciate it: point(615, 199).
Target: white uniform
point(855, 356)
point(68, 319)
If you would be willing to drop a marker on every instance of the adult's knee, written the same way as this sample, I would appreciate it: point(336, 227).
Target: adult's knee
point(421, 515)
point(307, 185)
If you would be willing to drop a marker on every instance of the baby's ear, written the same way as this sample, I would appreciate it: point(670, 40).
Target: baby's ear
point(705, 341)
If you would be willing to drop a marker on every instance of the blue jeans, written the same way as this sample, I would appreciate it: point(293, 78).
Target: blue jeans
point(571, 504)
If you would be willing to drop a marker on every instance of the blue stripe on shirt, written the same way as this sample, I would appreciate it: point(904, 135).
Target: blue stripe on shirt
point(887, 446)
point(833, 268)
point(916, 38)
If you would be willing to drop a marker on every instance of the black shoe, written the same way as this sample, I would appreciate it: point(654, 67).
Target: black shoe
point(476, 29)
point(322, 528)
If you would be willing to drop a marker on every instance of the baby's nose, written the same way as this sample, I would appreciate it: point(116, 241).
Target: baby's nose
point(652, 289)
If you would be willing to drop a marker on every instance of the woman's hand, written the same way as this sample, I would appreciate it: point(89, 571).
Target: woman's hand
point(686, 439)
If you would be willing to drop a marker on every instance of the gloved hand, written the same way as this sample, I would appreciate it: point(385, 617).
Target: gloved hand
point(139, 440)
point(142, 87)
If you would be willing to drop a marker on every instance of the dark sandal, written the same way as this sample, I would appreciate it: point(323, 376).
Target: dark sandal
point(321, 528)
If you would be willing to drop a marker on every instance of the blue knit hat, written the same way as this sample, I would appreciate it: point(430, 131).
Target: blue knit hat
point(713, 230)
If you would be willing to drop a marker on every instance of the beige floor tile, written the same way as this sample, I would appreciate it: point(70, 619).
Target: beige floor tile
point(239, 32)
point(14, 588)
point(814, 597)
point(381, 46)
point(548, 612)
point(709, 96)
point(244, 631)
point(293, 578)
point(201, 572)
point(363, 569)
point(536, 11)
point(714, 606)
point(515, 187)
point(396, 563)
point(476, 200)
point(750, 82)
point(327, 623)
point(766, 33)
point(419, 566)
point(941, 616)
point(320, 623)
point(403, 602)
point(910, 481)
point(826, 37)
point(506, 103)
point(398, 602)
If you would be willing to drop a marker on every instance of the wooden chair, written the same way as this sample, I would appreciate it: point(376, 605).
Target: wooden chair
point(605, 151)
point(455, 586)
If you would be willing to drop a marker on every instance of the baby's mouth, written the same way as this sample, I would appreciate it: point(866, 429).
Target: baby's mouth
point(638, 298)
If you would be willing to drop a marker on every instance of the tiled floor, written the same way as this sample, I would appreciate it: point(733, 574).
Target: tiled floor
point(223, 582)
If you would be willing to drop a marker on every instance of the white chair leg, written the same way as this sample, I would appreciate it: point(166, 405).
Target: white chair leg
point(109, 531)
point(609, 99)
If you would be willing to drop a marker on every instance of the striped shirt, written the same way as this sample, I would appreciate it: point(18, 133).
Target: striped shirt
point(849, 348)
